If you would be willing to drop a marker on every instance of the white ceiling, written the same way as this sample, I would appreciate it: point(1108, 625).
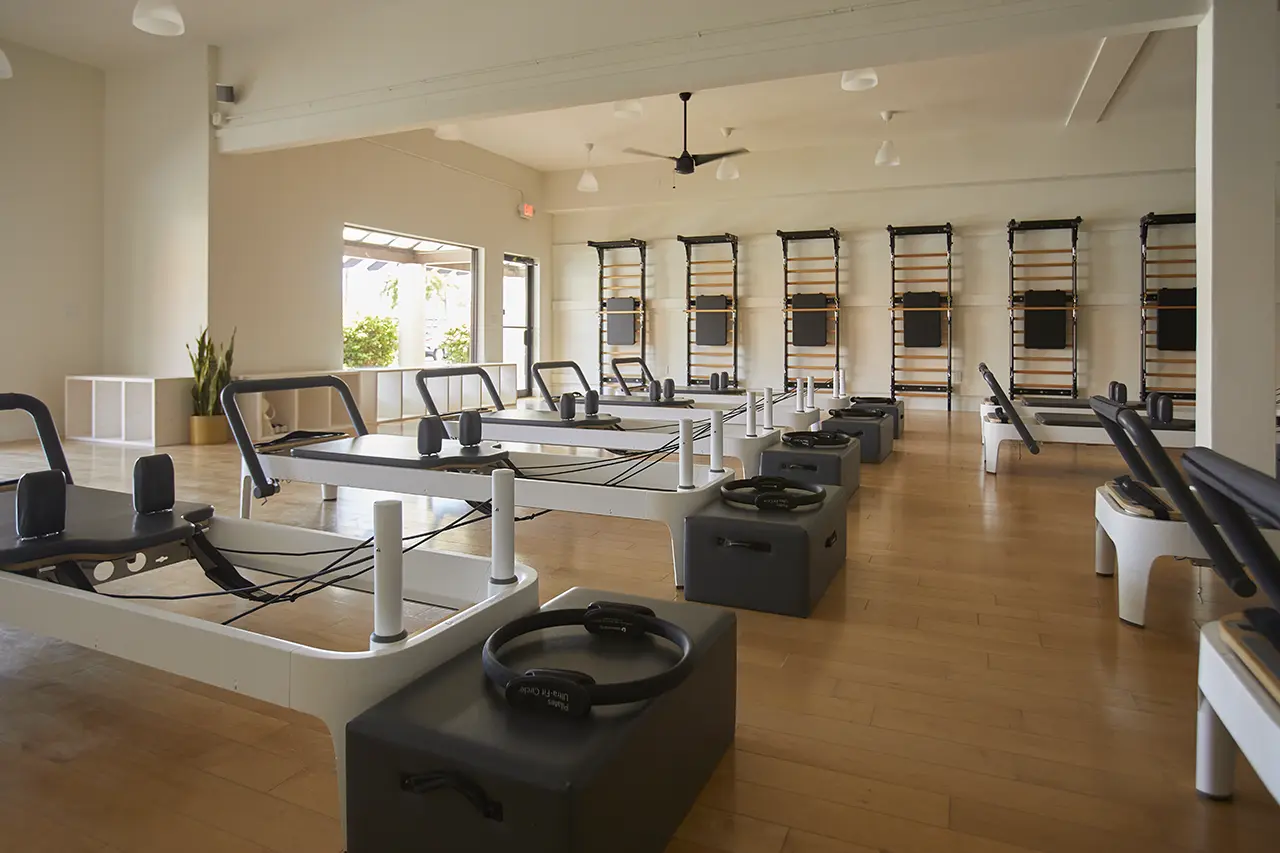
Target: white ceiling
point(101, 33)
point(1033, 84)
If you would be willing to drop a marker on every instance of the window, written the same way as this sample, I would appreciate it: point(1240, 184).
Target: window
point(406, 301)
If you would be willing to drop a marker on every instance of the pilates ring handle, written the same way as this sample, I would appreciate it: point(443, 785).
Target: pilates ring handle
point(570, 693)
point(420, 379)
point(536, 372)
point(772, 493)
point(262, 487)
point(816, 438)
point(46, 430)
point(645, 374)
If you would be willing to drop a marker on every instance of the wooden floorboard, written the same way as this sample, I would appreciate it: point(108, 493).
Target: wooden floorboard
point(964, 687)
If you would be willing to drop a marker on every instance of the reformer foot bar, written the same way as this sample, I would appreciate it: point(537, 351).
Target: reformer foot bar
point(711, 311)
point(1007, 425)
point(920, 318)
point(1239, 671)
point(662, 403)
point(1167, 312)
point(1131, 534)
point(565, 427)
point(595, 484)
point(1043, 319)
point(58, 585)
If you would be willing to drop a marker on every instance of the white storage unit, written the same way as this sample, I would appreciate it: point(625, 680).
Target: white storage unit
point(144, 411)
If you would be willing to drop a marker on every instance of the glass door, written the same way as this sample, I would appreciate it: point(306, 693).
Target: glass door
point(517, 317)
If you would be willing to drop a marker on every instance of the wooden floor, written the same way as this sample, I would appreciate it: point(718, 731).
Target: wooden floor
point(964, 687)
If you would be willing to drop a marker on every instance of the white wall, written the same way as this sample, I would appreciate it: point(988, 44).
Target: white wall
point(157, 152)
point(277, 236)
point(1110, 174)
point(50, 226)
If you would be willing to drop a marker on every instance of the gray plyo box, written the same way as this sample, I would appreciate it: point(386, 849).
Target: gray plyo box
point(618, 781)
point(896, 409)
point(875, 434)
point(823, 466)
point(776, 562)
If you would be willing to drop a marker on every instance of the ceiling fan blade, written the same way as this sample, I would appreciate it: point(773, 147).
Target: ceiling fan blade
point(648, 154)
point(703, 159)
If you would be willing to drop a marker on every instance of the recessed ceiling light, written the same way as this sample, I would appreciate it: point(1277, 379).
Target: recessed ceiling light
point(449, 132)
point(159, 18)
point(859, 80)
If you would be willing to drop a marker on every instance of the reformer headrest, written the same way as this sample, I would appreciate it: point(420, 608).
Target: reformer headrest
point(714, 382)
point(724, 380)
point(668, 389)
point(1160, 408)
point(470, 428)
point(1117, 392)
point(655, 391)
point(568, 407)
point(591, 404)
point(153, 484)
point(431, 435)
point(40, 507)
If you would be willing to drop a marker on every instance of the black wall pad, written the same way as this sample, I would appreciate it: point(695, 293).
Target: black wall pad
point(922, 327)
point(1166, 302)
point(1176, 319)
point(811, 307)
point(809, 328)
point(623, 278)
point(1046, 329)
point(1044, 304)
point(711, 308)
point(622, 322)
point(920, 311)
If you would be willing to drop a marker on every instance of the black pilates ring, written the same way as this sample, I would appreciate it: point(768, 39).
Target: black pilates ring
point(816, 438)
point(570, 693)
point(772, 493)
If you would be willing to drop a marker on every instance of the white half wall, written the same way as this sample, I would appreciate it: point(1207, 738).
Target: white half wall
point(1109, 174)
point(157, 151)
point(276, 266)
point(51, 116)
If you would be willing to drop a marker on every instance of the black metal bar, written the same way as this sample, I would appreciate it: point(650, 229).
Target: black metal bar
point(950, 309)
point(1108, 413)
point(644, 304)
point(835, 239)
point(1236, 495)
point(1168, 219)
point(46, 430)
point(690, 319)
point(420, 379)
point(631, 359)
point(810, 235)
point(262, 487)
point(734, 316)
point(1002, 399)
point(1013, 385)
point(557, 365)
point(1193, 512)
point(707, 239)
point(1044, 224)
point(893, 301)
point(631, 243)
point(918, 230)
point(786, 318)
point(1143, 227)
point(602, 319)
point(1075, 308)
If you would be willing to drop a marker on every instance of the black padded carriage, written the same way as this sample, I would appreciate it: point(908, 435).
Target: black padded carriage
point(400, 451)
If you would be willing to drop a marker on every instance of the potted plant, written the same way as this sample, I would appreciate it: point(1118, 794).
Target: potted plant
point(211, 368)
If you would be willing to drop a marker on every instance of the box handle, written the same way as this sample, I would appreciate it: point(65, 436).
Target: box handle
point(762, 547)
point(425, 783)
point(831, 540)
point(800, 466)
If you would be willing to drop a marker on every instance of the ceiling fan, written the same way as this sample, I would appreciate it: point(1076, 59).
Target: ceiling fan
point(686, 162)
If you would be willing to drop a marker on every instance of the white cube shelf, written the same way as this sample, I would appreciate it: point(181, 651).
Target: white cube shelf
point(143, 411)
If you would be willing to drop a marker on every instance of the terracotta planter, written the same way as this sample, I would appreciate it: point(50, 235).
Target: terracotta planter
point(210, 429)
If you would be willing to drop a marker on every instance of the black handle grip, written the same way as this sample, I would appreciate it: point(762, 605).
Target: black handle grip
point(645, 374)
point(446, 780)
point(748, 544)
point(46, 431)
point(262, 487)
point(461, 370)
point(536, 371)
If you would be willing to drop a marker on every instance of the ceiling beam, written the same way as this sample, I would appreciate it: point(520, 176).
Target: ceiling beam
point(1111, 63)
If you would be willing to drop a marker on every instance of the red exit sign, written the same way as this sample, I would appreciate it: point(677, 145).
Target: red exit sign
point(525, 210)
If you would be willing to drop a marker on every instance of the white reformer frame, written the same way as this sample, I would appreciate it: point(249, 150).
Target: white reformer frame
point(1233, 710)
point(995, 433)
point(332, 686)
point(651, 493)
point(1127, 546)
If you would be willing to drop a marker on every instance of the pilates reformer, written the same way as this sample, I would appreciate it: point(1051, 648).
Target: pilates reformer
point(565, 427)
point(1006, 424)
point(1239, 669)
point(662, 402)
point(638, 485)
point(62, 546)
point(1137, 521)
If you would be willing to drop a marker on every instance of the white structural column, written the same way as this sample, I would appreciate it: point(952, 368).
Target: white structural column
point(1235, 231)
